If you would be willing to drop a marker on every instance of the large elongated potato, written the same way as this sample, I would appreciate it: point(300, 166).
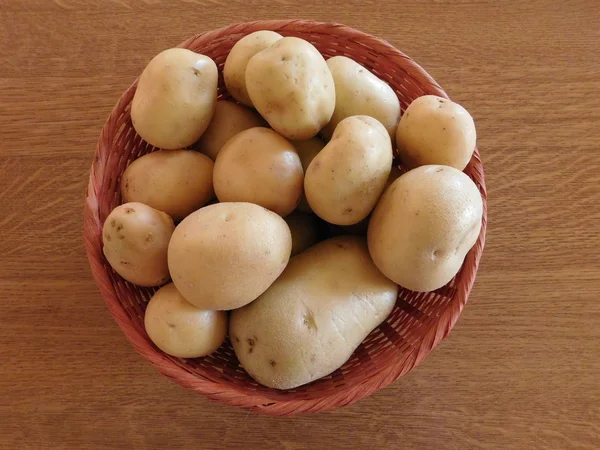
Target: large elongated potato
point(424, 225)
point(175, 98)
point(234, 71)
point(135, 241)
point(307, 150)
point(435, 130)
point(223, 256)
point(308, 323)
point(359, 92)
point(344, 181)
point(291, 87)
point(229, 120)
point(176, 182)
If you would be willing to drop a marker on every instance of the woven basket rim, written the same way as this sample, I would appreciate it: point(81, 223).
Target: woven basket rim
point(235, 396)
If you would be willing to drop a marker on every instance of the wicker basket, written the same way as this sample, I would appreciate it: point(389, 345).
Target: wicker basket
point(419, 321)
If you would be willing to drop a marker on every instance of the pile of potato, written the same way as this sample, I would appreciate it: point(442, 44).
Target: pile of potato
point(302, 165)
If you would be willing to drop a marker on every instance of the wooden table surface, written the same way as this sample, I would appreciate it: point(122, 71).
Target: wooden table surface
point(520, 370)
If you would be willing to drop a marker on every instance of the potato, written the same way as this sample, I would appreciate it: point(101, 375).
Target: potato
point(223, 256)
point(181, 329)
point(424, 225)
point(308, 323)
point(229, 120)
point(344, 181)
point(305, 231)
point(359, 92)
point(291, 86)
point(435, 130)
point(176, 182)
point(307, 150)
point(175, 98)
point(234, 71)
point(259, 166)
point(135, 240)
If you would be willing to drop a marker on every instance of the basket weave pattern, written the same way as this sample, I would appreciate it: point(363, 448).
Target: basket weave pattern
point(418, 322)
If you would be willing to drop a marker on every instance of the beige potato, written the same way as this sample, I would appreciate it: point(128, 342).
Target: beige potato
point(181, 329)
point(229, 120)
point(345, 180)
point(176, 182)
point(175, 98)
point(435, 130)
point(234, 71)
point(224, 256)
point(359, 92)
point(292, 88)
point(424, 225)
point(135, 240)
point(259, 166)
point(305, 231)
point(308, 323)
point(307, 150)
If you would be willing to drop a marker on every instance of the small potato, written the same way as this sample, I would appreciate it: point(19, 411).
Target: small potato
point(435, 130)
point(307, 150)
point(292, 88)
point(176, 182)
point(344, 181)
point(234, 71)
point(135, 241)
point(181, 329)
point(175, 98)
point(424, 225)
point(305, 231)
point(223, 256)
point(259, 166)
point(359, 92)
point(229, 120)
point(308, 323)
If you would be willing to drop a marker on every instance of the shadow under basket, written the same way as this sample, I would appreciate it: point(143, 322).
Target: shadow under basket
point(418, 322)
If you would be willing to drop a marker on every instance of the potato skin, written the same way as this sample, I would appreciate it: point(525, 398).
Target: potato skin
point(305, 229)
point(424, 225)
point(308, 323)
point(292, 88)
point(359, 92)
point(234, 71)
point(135, 240)
point(225, 255)
point(175, 98)
point(259, 166)
point(176, 182)
point(435, 130)
point(181, 329)
point(307, 150)
point(344, 181)
point(229, 119)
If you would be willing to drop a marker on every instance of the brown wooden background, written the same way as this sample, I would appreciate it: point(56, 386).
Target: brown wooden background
point(522, 367)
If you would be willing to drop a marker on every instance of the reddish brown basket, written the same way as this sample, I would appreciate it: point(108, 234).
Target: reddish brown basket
point(419, 321)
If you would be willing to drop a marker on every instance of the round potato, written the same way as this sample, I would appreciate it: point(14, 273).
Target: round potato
point(176, 182)
point(181, 329)
point(344, 181)
point(308, 323)
point(359, 92)
point(225, 255)
point(435, 130)
point(135, 241)
point(234, 71)
point(175, 98)
point(305, 231)
point(424, 225)
point(307, 150)
point(259, 166)
point(291, 87)
point(229, 120)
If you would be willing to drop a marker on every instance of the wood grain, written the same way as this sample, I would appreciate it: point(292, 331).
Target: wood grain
point(521, 368)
